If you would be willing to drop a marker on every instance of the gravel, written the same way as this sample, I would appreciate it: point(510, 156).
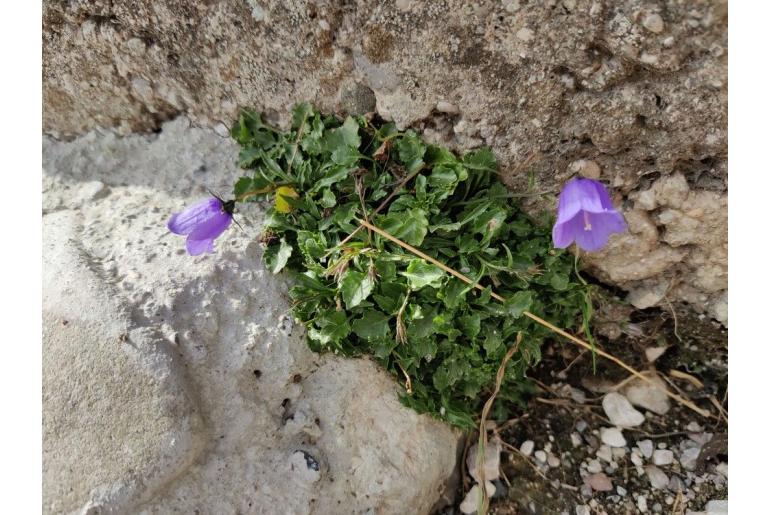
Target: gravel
point(620, 411)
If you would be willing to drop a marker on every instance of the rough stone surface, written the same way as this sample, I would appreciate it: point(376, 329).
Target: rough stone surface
point(637, 88)
point(174, 384)
point(620, 412)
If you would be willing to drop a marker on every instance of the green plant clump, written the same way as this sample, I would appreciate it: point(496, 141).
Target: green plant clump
point(371, 296)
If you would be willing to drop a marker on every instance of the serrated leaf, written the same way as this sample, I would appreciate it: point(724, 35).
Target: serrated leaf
point(481, 160)
point(355, 288)
point(330, 327)
point(420, 274)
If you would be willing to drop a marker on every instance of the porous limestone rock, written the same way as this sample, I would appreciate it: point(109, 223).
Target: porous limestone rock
point(174, 384)
point(638, 88)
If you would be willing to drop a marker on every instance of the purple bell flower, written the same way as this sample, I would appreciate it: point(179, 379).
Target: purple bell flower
point(202, 223)
point(585, 215)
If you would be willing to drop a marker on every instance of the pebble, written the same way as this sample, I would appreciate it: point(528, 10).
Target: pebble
point(581, 426)
point(613, 437)
point(689, 458)
point(491, 461)
point(716, 507)
point(657, 507)
point(446, 107)
point(576, 440)
point(653, 353)
point(621, 491)
point(663, 457)
point(653, 22)
point(648, 396)
point(646, 447)
point(604, 453)
point(722, 468)
point(594, 466)
point(582, 509)
point(675, 484)
point(641, 503)
point(586, 168)
point(620, 412)
point(525, 34)
point(585, 491)
point(553, 461)
point(618, 452)
point(694, 427)
point(599, 482)
point(637, 460)
point(541, 456)
point(469, 504)
point(527, 447)
point(658, 478)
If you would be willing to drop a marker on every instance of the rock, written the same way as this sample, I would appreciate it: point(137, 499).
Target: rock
point(621, 491)
point(594, 466)
point(647, 396)
point(651, 104)
point(722, 468)
point(599, 482)
point(689, 458)
point(358, 99)
point(653, 22)
point(581, 425)
point(576, 440)
point(541, 456)
point(553, 461)
point(586, 168)
point(620, 412)
point(658, 478)
point(163, 371)
point(653, 353)
point(447, 107)
point(641, 503)
point(527, 447)
point(604, 453)
point(716, 507)
point(646, 447)
point(662, 457)
point(613, 437)
point(491, 461)
point(470, 503)
point(582, 509)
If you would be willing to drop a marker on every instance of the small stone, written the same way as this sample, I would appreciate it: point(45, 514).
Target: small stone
point(653, 353)
point(581, 426)
point(586, 168)
point(613, 437)
point(689, 458)
point(618, 452)
point(582, 509)
point(604, 453)
point(637, 460)
point(469, 504)
point(553, 461)
point(646, 447)
point(657, 507)
point(594, 466)
point(663, 457)
point(694, 427)
point(651, 397)
point(599, 482)
point(621, 491)
point(722, 468)
point(491, 461)
point(620, 412)
point(641, 503)
point(527, 447)
point(658, 478)
point(653, 22)
point(525, 34)
point(358, 99)
point(541, 456)
point(576, 440)
point(716, 507)
point(675, 484)
point(446, 107)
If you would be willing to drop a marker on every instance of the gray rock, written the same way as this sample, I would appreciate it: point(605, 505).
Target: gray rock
point(613, 437)
point(646, 447)
point(662, 457)
point(620, 412)
point(647, 396)
point(599, 482)
point(658, 478)
point(717, 507)
point(491, 461)
point(163, 371)
point(689, 458)
point(527, 447)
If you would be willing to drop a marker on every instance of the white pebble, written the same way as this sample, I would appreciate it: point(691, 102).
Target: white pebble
point(641, 503)
point(527, 448)
point(658, 478)
point(646, 447)
point(653, 22)
point(613, 437)
point(663, 457)
point(604, 453)
point(541, 456)
point(620, 412)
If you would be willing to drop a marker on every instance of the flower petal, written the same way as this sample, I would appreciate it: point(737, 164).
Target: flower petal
point(596, 229)
point(564, 232)
point(196, 247)
point(579, 194)
point(188, 220)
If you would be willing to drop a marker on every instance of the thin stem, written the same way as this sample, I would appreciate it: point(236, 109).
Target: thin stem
point(537, 319)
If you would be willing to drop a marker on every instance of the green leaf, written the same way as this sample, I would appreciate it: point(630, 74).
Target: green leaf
point(559, 282)
point(355, 288)
point(374, 324)
point(300, 115)
point(518, 303)
point(420, 273)
point(331, 326)
point(276, 256)
point(410, 226)
point(410, 150)
point(471, 325)
point(482, 159)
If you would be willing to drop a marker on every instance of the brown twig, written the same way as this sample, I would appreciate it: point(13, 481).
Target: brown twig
point(545, 323)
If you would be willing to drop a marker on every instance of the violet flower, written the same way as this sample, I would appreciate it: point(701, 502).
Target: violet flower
point(202, 223)
point(585, 215)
